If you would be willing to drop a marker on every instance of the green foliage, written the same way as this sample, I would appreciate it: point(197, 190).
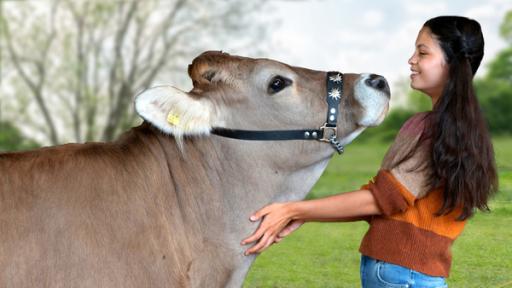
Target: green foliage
point(418, 101)
point(503, 152)
point(501, 67)
point(495, 89)
point(11, 139)
point(506, 27)
point(496, 102)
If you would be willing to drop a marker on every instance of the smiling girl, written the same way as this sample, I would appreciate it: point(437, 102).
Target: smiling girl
point(438, 171)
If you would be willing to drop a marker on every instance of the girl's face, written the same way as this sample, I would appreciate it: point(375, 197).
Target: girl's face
point(428, 66)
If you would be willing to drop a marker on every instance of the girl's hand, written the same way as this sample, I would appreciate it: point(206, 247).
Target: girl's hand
point(275, 218)
point(291, 227)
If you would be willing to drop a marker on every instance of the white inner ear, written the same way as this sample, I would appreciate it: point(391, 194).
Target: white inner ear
point(175, 112)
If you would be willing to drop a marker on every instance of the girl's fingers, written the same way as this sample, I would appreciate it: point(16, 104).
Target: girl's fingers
point(272, 222)
point(294, 225)
point(270, 241)
point(263, 225)
point(265, 244)
point(285, 232)
point(255, 236)
point(260, 213)
point(260, 244)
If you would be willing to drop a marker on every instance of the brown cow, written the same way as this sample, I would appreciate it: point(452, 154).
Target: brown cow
point(166, 205)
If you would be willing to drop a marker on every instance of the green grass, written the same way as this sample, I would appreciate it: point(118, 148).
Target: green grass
point(326, 254)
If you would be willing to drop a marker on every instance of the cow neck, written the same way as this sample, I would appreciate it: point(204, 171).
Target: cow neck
point(255, 175)
point(252, 174)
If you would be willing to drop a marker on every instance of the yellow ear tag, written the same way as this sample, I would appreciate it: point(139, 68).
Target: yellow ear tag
point(173, 119)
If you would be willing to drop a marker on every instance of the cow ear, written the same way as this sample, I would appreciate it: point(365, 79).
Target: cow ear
point(175, 112)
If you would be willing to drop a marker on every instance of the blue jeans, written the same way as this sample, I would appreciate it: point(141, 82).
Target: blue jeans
point(380, 274)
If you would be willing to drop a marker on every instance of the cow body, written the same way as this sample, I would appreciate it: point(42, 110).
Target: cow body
point(148, 210)
point(117, 215)
point(87, 214)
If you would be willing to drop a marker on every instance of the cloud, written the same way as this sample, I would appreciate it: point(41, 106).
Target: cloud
point(424, 7)
point(482, 12)
point(373, 18)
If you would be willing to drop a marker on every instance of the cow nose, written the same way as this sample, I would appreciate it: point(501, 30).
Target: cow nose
point(378, 82)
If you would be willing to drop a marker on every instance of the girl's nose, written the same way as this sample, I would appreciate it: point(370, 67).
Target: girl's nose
point(412, 60)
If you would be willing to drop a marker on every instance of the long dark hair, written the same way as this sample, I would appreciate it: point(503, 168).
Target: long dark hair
point(462, 156)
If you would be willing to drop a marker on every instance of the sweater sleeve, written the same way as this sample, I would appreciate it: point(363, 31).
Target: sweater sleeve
point(391, 196)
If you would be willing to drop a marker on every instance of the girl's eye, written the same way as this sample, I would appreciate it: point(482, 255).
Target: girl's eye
point(278, 83)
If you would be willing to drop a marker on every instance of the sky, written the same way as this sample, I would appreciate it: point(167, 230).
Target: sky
point(369, 35)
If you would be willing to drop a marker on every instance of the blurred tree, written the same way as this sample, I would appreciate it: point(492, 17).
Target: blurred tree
point(11, 139)
point(506, 27)
point(495, 88)
point(496, 102)
point(418, 101)
point(83, 61)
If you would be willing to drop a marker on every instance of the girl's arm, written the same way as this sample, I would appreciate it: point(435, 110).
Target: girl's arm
point(343, 206)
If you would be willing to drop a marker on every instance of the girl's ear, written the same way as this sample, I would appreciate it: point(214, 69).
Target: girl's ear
point(175, 112)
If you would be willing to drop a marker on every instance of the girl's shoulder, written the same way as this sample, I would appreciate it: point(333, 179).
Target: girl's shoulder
point(414, 125)
point(406, 139)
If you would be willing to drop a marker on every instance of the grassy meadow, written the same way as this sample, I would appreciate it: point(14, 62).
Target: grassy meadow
point(326, 254)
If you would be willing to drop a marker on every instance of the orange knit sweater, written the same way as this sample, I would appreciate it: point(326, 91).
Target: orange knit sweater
point(408, 233)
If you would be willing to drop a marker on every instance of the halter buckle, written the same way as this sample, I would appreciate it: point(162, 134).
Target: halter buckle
point(328, 132)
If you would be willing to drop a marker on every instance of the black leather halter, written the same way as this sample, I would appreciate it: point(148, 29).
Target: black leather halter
point(326, 133)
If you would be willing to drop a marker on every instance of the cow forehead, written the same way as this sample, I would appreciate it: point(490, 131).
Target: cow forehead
point(215, 65)
point(264, 69)
point(273, 68)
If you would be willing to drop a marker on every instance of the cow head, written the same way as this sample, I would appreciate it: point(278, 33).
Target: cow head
point(261, 94)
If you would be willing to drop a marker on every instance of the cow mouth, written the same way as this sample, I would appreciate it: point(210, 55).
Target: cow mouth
point(374, 114)
point(374, 100)
point(381, 117)
point(347, 139)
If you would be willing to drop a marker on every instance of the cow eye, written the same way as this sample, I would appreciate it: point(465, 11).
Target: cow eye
point(278, 83)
